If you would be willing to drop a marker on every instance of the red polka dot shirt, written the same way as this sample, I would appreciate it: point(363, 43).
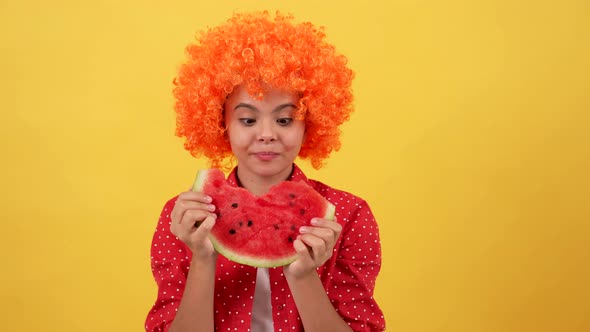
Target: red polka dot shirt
point(348, 276)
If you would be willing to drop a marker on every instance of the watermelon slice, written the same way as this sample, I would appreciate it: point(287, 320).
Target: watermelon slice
point(260, 230)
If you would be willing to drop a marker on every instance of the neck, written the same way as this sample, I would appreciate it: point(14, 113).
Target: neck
point(260, 185)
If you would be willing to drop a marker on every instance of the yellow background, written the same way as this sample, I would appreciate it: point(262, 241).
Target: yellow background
point(472, 133)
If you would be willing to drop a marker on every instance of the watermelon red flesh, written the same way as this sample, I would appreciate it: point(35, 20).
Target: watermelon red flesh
point(260, 231)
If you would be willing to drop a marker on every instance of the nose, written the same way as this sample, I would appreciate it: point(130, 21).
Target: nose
point(267, 132)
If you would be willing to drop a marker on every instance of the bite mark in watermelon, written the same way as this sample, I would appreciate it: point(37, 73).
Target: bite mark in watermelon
point(260, 230)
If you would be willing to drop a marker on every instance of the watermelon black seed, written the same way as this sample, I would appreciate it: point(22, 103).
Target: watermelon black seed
point(240, 223)
point(293, 227)
point(234, 205)
point(302, 211)
point(276, 226)
point(249, 223)
point(291, 196)
point(290, 239)
point(232, 231)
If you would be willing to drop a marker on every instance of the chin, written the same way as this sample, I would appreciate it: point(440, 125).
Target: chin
point(271, 169)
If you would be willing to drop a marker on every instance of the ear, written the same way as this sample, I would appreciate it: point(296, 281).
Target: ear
point(223, 124)
point(225, 131)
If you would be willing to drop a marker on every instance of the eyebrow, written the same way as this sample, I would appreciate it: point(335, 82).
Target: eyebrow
point(252, 107)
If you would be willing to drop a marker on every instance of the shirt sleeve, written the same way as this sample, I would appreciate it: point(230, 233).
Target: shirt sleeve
point(357, 265)
point(170, 263)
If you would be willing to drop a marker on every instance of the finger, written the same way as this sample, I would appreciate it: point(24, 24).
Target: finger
point(331, 224)
point(303, 252)
point(327, 235)
point(317, 245)
point(193, 218)
point(182, 205)
point(195, 196)
point(189, 196)
point(194, 205)
point(324, 233)
point(325, 223)
point(205, 227)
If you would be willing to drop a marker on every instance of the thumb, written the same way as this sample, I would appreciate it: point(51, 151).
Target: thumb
point(209, 222)
point(206, 226)
point(302, 250)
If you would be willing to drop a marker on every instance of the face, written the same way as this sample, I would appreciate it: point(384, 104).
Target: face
point(263, 134)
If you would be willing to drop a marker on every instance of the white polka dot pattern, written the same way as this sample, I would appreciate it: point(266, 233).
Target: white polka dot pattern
point(348, 277)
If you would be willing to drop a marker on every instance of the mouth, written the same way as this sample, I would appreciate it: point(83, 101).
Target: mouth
point(266, 155)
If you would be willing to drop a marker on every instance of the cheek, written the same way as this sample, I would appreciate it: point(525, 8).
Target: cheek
point(231, 136)
point(238, 138)
point(296, 138)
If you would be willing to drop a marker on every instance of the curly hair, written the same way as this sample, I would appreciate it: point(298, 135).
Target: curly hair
point(258, 50)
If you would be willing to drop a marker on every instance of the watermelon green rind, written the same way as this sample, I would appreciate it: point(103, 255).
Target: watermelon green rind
point(200, 180)
point(199, 185)
point(247, 260)
point(330, 211)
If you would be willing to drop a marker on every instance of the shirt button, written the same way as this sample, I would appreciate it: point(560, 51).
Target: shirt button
point(280, 307)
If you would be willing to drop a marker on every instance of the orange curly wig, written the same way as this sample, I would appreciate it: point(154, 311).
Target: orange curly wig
point(258, 50)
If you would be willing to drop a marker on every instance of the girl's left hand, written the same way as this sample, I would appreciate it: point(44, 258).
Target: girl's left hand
point(314, 247)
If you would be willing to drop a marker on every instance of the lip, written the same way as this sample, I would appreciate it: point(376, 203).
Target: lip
point(266, 155)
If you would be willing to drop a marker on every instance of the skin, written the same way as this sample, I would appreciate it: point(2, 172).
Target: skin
point(265, 139)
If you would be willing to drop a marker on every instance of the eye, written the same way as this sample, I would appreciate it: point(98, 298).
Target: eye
point(248, 121)
point(284, 121)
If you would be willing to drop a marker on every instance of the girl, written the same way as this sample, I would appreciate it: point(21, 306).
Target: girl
point(262, 90)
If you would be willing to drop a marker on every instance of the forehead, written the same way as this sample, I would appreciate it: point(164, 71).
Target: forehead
point(271, 97)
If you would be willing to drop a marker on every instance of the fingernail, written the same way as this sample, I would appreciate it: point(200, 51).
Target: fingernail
point(211, 207)
point(303, 229)
point(314, 221)
point(208, 199)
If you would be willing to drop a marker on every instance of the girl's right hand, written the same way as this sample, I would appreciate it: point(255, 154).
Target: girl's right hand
point(192, 219)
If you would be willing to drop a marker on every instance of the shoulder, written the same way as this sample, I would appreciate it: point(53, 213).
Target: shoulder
point(333, 195)
point(162, 234)
point(348, 205)
point(166, 247)
point(165, 220)
point(344, 201)
point(169, 205)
